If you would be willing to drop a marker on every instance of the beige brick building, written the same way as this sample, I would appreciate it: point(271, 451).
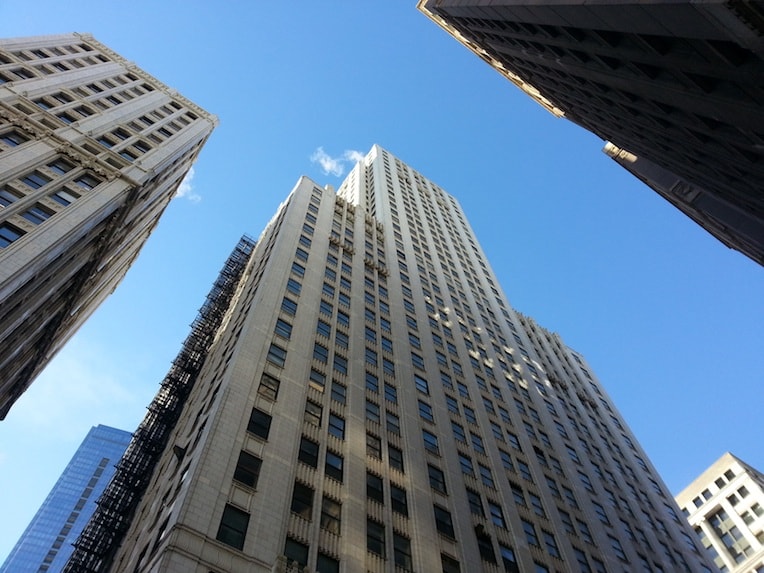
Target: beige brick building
point(725, 506)
point(92, 149)
point(361, 397)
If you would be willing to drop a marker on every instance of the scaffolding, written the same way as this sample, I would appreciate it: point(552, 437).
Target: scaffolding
point(98, 543)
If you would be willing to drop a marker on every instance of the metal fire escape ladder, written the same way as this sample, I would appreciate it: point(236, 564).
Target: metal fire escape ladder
point(98, 543)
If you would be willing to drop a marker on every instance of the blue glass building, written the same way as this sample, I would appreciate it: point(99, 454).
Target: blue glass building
point(46, 544)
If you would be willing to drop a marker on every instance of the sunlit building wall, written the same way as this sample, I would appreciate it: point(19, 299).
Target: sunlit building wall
point(725, 506)
point(92, 150)
point(372, 403)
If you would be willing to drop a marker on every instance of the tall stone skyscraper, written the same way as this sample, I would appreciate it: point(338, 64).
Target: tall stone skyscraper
point(675, 88)
point(92, 149)
point(46, 544)
point(357, 395)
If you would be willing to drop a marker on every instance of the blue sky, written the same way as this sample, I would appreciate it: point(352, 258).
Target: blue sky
point(669, 318)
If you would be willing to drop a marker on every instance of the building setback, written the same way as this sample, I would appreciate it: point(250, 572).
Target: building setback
point(92, 149)
point(361, 397)
point(675, 88)
point(725, 505)
point(47, 542)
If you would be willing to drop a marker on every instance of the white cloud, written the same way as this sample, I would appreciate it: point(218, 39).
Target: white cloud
point(186, 189)
point(335, 165)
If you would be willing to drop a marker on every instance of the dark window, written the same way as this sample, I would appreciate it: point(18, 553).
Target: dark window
point(333, 465)
point(313, 412)
point(497, 515)
point(283, 329)
point(296, 552)
point(87, 181)
point(302, 500)
point(476, 504)
point(276, 355)
point(308, 452)
point(402, 552)
point(37, 214)
point(339, 392)
point(395, 457)
point(233, 527)
point(373, 446)
point(485, 546)
point(449, 564)
point(375, 537)
point(269, 386)
point(374, 488)
point(430, 442)
point(437, 479)
point(337, 426)
point(398, 500)
point(326, 564)
point(443, 521)
point(288, 306)
point(331, 515)
point(259, 423)
point(13, 138)
point(35, 180)
point(247, 469)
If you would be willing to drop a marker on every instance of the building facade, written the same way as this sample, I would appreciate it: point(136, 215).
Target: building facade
point(725, 505)
point(47, 542)
point(92, 149)
point(369, 401)
point(676, 88)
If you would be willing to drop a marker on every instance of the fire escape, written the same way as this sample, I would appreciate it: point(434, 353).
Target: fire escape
point(102, 536)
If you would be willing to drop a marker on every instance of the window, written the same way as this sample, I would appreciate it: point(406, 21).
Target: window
point(430, 442)
point(339, 392)
point(508, 558)
point(320, 353)
point(586, 535)
point(334, 465)
point(233, 527)
point(443, 521)
point(391, 393)
point(393, 423)
point(7, 197)
point(326, 564)
point(485, 545)
point(283, 329)
point(395, 457)
point(617, 548)
point(485, 476)
point(449, 564)
point(317, 380)
point(340, 364)
point(459, 434)
point(336, 426)
point(476, 504)
point(313, 413)
point(37, 214)
point(259, 423)
point(402, 552)
point(331, 513)
point(269, 386)
point(497, 515)
point(538, 507)
point(302, 500)
point(530, 533)
point(375, 537)
point(398, 500)
point(296, 552)
point(374, 488)
point(550, 543)
point(323, 329)
point(372, 411)
point(373, 446)
point(35, 179)
point(298, 269)
point(477, 443)
point(247, 469)
point(437, 479)
point(425, 411)
point(421, 384)
point(288, 306)
point(13, 138)
point(276, 356)
point(466, 464)
point(308, 452)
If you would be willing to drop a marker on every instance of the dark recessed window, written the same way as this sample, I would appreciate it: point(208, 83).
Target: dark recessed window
point(259, 423)
point(247, 469)
point(233, 527)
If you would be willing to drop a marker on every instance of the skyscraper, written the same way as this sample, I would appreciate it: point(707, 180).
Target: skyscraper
point(361, 397)
point(46, 544)
point(725, 505)
point(92, 149)
point(675, 88)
